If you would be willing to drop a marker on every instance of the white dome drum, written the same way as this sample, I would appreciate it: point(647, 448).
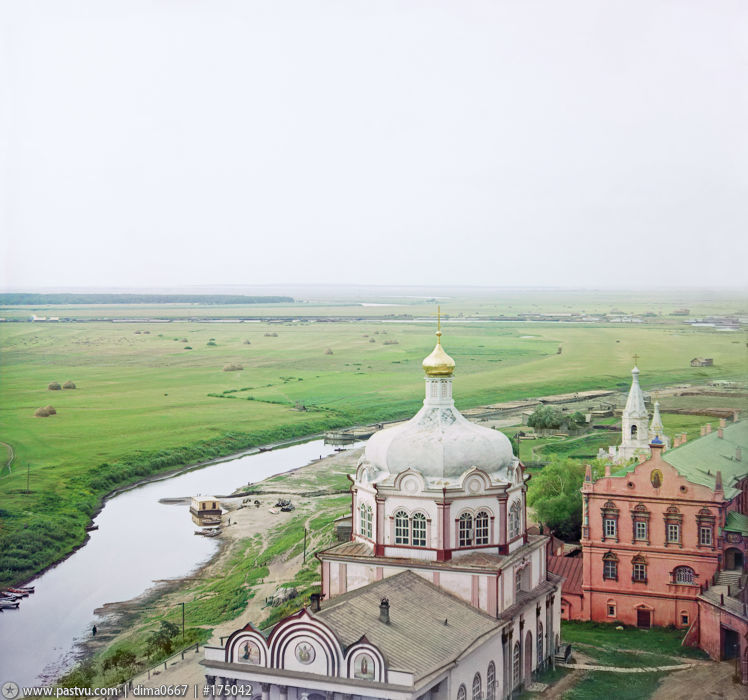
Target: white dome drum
point(439, 442)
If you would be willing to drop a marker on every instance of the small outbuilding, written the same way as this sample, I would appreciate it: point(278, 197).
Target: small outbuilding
point(702, 362)
point(205, 506)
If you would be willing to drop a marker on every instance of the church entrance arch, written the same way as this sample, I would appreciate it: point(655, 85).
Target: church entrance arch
point(734, 559)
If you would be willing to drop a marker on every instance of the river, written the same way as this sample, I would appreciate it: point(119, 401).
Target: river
point(139, 541)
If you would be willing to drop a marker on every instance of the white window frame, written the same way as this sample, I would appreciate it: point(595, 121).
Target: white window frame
point(477, 687)
point(705, 535)
point(610, 527)
point(673, 533)
point(402, 528)
point(491, 681)
point(365, 520)
point(465, 530)
point(684, 575)
point(418, 530)
point(641, 530)
point(482, 520)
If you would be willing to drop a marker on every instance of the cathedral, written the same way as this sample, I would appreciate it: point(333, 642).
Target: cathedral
point(440, 593)
point(636, 430)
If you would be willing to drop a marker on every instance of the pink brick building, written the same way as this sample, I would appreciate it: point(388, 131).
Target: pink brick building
point(664, 542)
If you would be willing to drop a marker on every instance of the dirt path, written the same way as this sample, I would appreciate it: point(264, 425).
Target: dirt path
point(702, 682)
point(11, 457)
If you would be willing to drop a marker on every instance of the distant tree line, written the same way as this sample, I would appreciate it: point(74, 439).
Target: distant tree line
point(19, 299)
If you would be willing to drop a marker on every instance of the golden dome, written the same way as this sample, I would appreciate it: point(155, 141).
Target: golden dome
point(438, 363)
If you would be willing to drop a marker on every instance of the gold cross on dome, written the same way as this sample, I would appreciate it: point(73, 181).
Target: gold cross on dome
point(636, 359)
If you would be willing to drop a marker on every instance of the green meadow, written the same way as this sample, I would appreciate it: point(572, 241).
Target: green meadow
point(145, 403)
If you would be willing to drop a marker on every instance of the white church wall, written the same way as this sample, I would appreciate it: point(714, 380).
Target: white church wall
point(459, 584)
point(474, 662)
point(418, 553)
point(360, 575)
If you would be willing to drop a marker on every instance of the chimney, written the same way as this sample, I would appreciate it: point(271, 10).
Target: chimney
point(738, 454)
point(676, 440)
point(607, 469)
point(735, 416)
point(384, 611)
point(315, 602)
point(708, 428)
point(588, 473)
point(683, 438)
point(722, 423)
point(718, 482)
point(720, 433)
point(703, 430)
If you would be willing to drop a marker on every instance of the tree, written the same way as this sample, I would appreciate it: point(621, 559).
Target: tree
point(555, 496)
point(545, 418)
point(578, 419)
point(160, 641)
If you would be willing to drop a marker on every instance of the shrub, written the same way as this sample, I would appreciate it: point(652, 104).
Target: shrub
point(247, 342)
point(184, 340)
point(390, 342)
point(68, 385)
point(212, 343)
point(271, 335)
point(45, 411)
point(188, 347)
point(54, 386)
point(232, 367)
point(328, 351)
point(372, 340)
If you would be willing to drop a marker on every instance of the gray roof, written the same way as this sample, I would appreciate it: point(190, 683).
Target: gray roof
point(416, 640)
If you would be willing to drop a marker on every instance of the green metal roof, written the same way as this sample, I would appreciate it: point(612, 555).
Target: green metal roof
point(699, 460)
point(737, 522)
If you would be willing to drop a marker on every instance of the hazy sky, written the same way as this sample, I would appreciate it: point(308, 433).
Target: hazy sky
point(545, 142)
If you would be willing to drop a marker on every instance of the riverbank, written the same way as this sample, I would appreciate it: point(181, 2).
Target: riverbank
point(259, 552)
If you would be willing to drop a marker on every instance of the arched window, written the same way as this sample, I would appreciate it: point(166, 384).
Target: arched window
point(610, 566)
point(639, 568)
point(419, 530)
point(683, 574)
point(466, 530)
point(461, 692)
point(516, 668)
point(633, 430)
point(365, 518)
point(481, 528)
point(402, 528)
point(515, 518)
point(477, 689)
point(540, 643)
point(491, 682)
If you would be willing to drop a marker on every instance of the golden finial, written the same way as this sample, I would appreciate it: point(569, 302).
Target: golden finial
point(438, 363)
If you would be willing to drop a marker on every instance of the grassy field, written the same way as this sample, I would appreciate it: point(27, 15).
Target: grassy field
point(626, 648)
point(145, 403)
